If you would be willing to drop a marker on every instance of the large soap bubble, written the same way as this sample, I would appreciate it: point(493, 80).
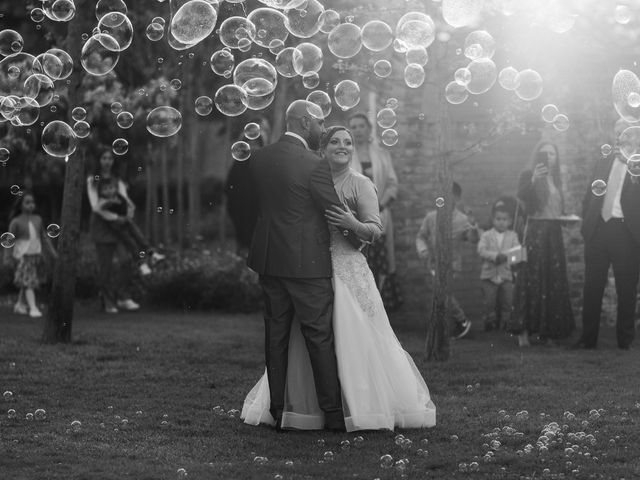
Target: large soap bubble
point(57, 64)
point(14, 71)
point(193, 22)
point(235, 29)
point(483, 40)
point(329, 20)
point(455, 93)
point(322, 100)
point(347, 94)
point(231, 100)
point(376, 35)
point(256, 68)
point(100, 54)
point(629, 142)
point(154, 31)
point(58, 139)
point(40, 88)
point(307, 58)
point(122, 33)
point(240, 151)
point(345, 41)
point(417, 55)
point(284, 63)
point(10, 42)
point(222, 62)
point(304, 22)
point(256, 98)
point(270, 26)
point(529, 85)
point(414, 75)
point(104, 7)
point(624, 84)
point(164, 121)
point(59, 10)
point(386, 118)
point(483, 75)
point(283, 4)
point(508, 78)
point(461, 13)
point(26, 112)
point(415, 29)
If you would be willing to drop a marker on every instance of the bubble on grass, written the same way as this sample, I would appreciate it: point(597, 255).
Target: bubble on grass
point(530, 85)
point(40, 414)
point(345, 41)
point(193, 22)
point(345, 444)
point(100, 54)
point(164, 121)
point(58, 139)
point(549, 112)
point(483, 75)
point(76, 426)
point(328, 456)
point(259, 460)
point(252, 130)
point(561, 122)
point(376, 35)
point(386, 461)
point(181, 473)
point(240, 151)
point(507, 78)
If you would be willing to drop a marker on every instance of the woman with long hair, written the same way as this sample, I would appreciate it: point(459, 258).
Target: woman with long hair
point(542, 301)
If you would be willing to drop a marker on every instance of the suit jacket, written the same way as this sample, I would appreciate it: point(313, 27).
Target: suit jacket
point(489, 248)
point(629, 201)
point(292, 187)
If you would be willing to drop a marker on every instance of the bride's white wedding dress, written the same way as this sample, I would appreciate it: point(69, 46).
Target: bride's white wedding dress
point(381, 386)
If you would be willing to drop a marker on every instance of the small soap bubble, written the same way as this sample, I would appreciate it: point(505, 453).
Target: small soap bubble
point(29, 416)
point(53, 230)
point(439, 202)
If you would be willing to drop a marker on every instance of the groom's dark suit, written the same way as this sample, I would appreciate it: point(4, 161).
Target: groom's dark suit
point(292, 187)
point(614, 242)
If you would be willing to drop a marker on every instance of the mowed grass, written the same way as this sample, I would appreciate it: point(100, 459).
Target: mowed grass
point(145, 365)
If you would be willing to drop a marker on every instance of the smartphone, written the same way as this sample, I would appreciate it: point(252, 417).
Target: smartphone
point(542, 158)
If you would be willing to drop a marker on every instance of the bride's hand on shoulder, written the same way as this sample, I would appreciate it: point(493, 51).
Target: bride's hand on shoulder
point(341, 217)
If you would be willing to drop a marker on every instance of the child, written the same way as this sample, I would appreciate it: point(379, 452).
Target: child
point(30, 235)
point(129, 234)
point(498, 248)
point(464, 229)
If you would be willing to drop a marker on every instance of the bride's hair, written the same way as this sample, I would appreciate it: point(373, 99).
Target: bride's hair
point(331, 131)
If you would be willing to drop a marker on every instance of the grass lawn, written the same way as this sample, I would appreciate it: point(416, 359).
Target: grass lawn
point(165, 371)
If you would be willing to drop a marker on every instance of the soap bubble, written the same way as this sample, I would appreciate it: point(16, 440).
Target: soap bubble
point(231, 100)
point(203, 105)
point(124, 120)
point(260, 93)
point(321, 99)
point(193, 22)
point(561, 122)
point(622, 14)
point(529, 85)
point(284, 62)
point(58, 139)
point(483, 75)
point(76, 426)
point(11, 413)
point(100, 54)
point(253, 69)
point(14, 71)
point(382, 68)
point(389, 137)
point(634, 99)
point(414, 75)
point(240, 151)
point(222, 62)
point(392, 103)
point(417, 55)
point(154, 32)
point(103, 7)
point(7, 240)
point(508, 78)
point(270, 26)
point(78, 114)
point(37, 15)
point(120, 146)
point(329, 19)
point(234, 29)
point(483, 40)
point(122, 33)
point(175, 84)
point(415, 29)
point(549, 112)
point(164, 121)
point(8, 41)
point(462, 76)
point(461, 13)
point(311, 80)
point(386, 461)
point(376, 35)
point(159, 21)
point(347, 94)
point(15, 189)
point(629, 142)
point(252, 130)
point(624, 84)
point(345, 41)
point(386, 118)
point(328, 456)
point(53, 231)
point(455, 93)
point(606, 150)
point(599, 187)
point(81, 129)
point(307, 58)
point(116, 107)
point(56, 63)
point(26, 112)
point(304, 23)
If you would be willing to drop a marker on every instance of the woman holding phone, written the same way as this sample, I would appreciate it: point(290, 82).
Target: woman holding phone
point(542, 303)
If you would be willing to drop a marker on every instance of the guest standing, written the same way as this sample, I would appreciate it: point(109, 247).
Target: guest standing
point(30, 236)
point(542, 302)
point(611, 232)
point(106, 239)
point(375, 163)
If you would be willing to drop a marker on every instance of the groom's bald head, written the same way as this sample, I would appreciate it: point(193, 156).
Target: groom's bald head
point(306, 119)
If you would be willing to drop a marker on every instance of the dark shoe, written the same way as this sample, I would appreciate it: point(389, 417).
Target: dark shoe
point(278, 425)
point(581, 345)
point(335, 427)
point(334, 422)
point(461, 329)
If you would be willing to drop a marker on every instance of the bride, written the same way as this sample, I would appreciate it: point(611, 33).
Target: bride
point(381, 386)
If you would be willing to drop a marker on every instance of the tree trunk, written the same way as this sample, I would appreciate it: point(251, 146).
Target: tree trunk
point(437, 344)
point(164, 168)
point(59, 320)
point(148, 169)
point(182, 150)
point(195, 176)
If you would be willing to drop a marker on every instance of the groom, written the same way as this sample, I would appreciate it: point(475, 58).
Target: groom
point(292, 188)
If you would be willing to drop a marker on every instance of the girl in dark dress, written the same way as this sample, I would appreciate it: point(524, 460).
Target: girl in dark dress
point(542, 303)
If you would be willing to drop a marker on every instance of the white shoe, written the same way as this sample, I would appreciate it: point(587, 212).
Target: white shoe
point(144, 269)
point(35, 313)
point(128, 304)
point(20, 309)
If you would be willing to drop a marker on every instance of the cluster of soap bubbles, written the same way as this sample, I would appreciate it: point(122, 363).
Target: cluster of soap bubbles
point(551, 114)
